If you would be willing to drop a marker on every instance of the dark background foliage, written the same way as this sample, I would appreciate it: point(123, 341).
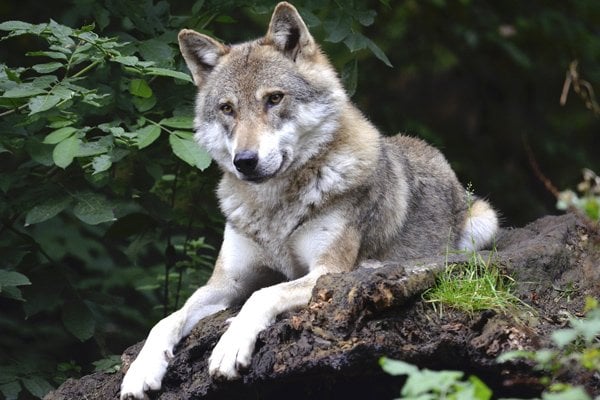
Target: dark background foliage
point(110, 224)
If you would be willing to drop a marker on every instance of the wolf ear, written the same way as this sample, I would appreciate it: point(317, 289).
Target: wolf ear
point(200, 52)
point(288, 32)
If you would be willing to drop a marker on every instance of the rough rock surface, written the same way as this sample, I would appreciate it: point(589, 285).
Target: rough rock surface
point(330, 348)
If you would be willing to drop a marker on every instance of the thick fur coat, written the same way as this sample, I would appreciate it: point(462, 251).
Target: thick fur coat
point(309, 187)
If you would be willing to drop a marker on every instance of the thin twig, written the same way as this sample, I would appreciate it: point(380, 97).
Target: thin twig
point(13, 110)
point(168, 257)
point(538, 172)
point(580, 86)
point(180, 277)
point(32, 241)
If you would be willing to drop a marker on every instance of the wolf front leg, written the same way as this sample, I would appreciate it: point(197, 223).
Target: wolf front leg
point(237, 274)
point(333, 249)
point(234, 350)
point(148, 369)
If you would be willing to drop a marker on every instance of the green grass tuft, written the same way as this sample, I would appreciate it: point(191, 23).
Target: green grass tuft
point(475, 286)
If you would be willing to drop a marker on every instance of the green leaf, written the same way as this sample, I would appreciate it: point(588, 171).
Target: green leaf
point(350, 77)
point(517, 55)
point(48, 67)
point(48, 209)
point(197, 7)
point(65, 151)
point(156, 50)
point(156, 71)
point(427, 380)
point(37, 386)
point(378, 53)
point(21, 28)
point(356, 41)
point(61, 31)
point(544, 356)
point(7, 181)
point(93, 208)
point(23, 90)
point(15, 25)
point(309, 18)
point(86, 34)
point(44, 81)
point(11, 390)
point(140, 88)
point(101, 146)
point(39, 152)
point(60, 121)
point(56, 55)
point(118, 154)
point(563, 337)
point(397, 367)
point(143, 104)
point(78, 319)
point(573, 393)
point(101, 163)
point(591, 206)
point(225, 19)
point(43, 103)
point(12, 75)
point(46, 291)
point(109, 364)
point(149, 287)
point(147, 135)
point(12, 278)
point(187, 135)
point(482, 391)
point(59, 135)
point(11, 292)
point(515, 354)
point(102, 17)
point(130, 61)
point(365, 18)
point(188, 150)
point(338, 28)
point(182, 122)
point(589, 328)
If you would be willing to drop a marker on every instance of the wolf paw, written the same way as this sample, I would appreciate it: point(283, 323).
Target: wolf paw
point(232, 353)
point(144, 374)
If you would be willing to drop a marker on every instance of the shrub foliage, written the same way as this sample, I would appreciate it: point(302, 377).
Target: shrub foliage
point(108, 214)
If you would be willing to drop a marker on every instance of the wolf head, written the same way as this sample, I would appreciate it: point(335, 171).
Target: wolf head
point(267, 106)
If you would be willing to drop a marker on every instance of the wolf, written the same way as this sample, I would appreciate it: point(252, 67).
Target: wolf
point(309, 187)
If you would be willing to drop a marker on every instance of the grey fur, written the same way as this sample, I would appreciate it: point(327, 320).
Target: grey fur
point(320, 191)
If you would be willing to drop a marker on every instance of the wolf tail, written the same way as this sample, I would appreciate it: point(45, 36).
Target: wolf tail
point(480, 226)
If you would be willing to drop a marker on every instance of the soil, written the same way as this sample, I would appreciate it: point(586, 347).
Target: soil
point(330, 349)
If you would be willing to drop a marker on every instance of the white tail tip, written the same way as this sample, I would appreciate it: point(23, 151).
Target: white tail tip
point(480, 227)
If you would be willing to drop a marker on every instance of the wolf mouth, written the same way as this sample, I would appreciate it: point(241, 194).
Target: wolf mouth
point(254, 178)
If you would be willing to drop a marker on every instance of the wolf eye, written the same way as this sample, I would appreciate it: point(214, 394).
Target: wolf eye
point(226, 109)
point(274, 99)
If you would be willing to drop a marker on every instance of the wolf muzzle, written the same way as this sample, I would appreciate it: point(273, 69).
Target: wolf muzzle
point(246, 161)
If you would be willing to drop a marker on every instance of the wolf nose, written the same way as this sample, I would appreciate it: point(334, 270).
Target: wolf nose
point(246, 161)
